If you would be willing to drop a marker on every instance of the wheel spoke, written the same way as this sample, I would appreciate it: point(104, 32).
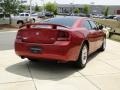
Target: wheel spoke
point(84, 55)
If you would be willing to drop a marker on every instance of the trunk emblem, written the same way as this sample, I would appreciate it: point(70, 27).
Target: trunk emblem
point(37, 33)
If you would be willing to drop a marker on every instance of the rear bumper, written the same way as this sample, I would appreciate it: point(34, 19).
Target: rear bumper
point(60, 51)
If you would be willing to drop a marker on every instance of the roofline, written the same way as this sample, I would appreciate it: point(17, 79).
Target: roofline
point(88, 4)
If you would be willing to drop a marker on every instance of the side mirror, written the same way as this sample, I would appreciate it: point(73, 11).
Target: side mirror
point(100, 27)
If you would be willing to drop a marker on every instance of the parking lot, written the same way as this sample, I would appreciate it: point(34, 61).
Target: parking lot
point(101, 73)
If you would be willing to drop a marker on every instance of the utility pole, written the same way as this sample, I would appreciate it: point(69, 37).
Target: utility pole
point(92, 7)
point(43, 6)
point(30, 7)
point(72, 4)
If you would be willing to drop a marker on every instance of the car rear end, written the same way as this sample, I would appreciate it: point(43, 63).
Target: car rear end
point(47, 41)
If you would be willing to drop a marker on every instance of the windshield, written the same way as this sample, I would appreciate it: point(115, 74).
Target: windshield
point(65, 21)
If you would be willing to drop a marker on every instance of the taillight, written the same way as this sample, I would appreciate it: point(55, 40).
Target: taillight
point(63, 36)
point(19, 36)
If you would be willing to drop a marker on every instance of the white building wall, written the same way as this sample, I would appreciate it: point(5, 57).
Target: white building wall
point(93, 8)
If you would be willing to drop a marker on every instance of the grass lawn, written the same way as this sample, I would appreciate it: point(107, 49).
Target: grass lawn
point(115, 25)
point(115, 37)
point(110, 23)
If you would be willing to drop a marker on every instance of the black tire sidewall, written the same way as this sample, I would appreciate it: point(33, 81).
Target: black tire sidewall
point(33, 20)
point(79, 63)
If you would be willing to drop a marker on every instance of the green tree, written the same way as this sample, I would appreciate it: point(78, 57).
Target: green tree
point(86, 9)
point(22, 8)
point(51, 7)
point(37, 8)
point(76, 10)
point(106, 11)
point(55, 12)
point(10, 7)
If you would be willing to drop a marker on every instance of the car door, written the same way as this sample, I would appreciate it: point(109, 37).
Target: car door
point(101, 36)
point(92, 36)
point(98, 34)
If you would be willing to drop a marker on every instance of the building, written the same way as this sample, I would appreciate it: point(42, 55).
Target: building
point(94, 9)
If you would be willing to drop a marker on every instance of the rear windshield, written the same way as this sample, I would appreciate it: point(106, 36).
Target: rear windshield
point(65, 21)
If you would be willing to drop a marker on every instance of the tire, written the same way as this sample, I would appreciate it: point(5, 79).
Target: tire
point(102, 48)
point(83, 56)
point(20, 23)
point(33, 20)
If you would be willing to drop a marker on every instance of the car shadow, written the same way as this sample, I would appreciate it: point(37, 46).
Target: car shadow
point(43, 70)
point(46, 70)
point(93, 55)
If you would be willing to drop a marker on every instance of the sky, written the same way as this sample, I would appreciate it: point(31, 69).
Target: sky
point(96, 2)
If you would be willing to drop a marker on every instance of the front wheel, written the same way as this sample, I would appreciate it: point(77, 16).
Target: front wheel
point(82, 60)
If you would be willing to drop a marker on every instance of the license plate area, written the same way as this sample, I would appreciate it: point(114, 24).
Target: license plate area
point(36, 49)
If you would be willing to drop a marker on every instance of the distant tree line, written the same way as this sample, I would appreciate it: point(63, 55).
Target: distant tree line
point(15, 7)
point(106, 11)
point(85, 10)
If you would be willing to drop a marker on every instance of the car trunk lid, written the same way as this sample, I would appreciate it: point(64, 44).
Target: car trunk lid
point(42, 33)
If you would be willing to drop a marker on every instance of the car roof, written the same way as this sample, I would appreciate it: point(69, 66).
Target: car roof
point(75, 19)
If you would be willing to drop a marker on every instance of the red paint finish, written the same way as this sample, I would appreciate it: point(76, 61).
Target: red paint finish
point(56, 44)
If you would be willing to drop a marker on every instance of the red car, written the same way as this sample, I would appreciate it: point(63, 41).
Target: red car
point(62, 39)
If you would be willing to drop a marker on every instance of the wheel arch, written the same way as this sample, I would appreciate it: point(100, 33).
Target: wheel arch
point(87, 43)
point(20, 21)
point(79, 61)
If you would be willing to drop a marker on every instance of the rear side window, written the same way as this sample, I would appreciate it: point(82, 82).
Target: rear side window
point(26, 14)
point(87, 25)
point(93, 25)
